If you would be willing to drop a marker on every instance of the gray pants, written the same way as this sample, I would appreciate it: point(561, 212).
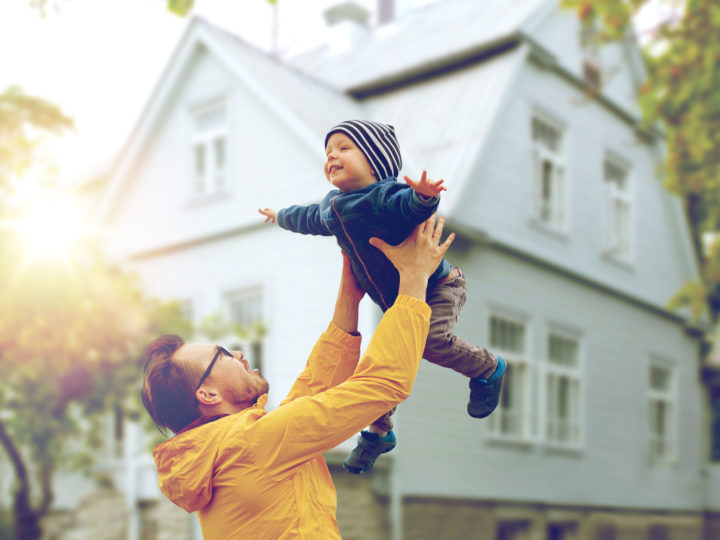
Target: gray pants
point(444, 348)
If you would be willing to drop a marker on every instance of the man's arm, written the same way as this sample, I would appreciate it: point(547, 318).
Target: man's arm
point(336, 353)
point(310, 425)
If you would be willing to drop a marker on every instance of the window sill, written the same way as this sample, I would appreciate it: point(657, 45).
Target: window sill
point(198, 201)
point(618, 260)
point(551, 230)
point(564, 449)
point(662, 461)
point(509, 441)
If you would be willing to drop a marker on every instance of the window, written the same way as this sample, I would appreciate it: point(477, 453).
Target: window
point(618, 220)
point(549, 195)
point(513, 530)
point(562, 390)
point(209, 149)
point(590, 51)
point(508, 340)
point(562, 531)
point(245, 309)
point(714, 396)
point(661, 411)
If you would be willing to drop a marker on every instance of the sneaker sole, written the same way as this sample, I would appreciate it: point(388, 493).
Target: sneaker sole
point(354, 470)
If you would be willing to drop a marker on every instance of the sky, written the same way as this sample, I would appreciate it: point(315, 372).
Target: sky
point(99, 60)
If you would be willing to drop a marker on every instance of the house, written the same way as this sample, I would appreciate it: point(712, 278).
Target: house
point(570, 245)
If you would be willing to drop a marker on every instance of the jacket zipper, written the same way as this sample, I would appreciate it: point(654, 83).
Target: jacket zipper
point(337, 214)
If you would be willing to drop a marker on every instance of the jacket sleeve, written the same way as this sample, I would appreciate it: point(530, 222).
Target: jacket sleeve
point(404, 201)
point(332, 361)
point(303, 220)
point(307, 426)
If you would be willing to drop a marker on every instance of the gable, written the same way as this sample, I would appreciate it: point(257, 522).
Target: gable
point(301, 107)
point(558, 31)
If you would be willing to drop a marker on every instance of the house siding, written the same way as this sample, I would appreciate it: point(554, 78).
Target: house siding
point(618, 339)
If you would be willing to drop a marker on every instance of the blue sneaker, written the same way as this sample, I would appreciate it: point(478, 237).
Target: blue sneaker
point(485, 393)
point(370, 445)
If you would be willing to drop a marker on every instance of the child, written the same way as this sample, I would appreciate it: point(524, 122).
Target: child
point(363, 162)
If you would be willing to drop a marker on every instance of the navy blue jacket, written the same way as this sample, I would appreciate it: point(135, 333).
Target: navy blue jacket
point(386, 209)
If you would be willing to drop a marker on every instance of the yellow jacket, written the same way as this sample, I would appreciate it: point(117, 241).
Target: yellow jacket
point(260, 475)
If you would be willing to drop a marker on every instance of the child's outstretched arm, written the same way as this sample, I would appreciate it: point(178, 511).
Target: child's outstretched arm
point(269, 214)
point(425, 186)
point(299, 219)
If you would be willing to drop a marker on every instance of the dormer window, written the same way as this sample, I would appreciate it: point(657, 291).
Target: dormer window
point(209, 149)
point(590, 57)
point(592, 75)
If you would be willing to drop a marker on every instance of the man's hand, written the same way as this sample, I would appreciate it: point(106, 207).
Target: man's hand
point(269, 214)
point(426, 187)
point(417, 257)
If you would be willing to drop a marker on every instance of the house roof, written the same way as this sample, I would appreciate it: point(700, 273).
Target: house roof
point(434, 35)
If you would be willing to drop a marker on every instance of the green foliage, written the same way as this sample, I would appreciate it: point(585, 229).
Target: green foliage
point(682, 94)
point(23, 121)
point(71, 333)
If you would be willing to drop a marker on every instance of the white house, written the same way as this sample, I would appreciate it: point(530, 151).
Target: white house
point(570, 245)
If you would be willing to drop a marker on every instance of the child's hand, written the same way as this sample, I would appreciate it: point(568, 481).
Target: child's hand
point(426, 187)
point(269, 214)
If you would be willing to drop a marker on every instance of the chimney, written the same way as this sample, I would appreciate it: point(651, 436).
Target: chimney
point(385, 11)
point(348, 24)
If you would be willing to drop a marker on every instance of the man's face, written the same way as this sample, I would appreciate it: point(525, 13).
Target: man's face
point(346, 167)
point(230, 377)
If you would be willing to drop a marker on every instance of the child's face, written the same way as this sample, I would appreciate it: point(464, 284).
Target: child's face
point(346, 167)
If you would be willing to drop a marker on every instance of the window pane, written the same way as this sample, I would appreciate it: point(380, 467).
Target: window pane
point(245, 307)
point(659, 378)
point(616, 175)
point(546, 135)
point(562, 351)
point(219, 152)
point(210, 118)
point(507, 335)
point(199, 156)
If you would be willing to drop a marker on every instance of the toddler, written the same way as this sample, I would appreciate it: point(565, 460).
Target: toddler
point(363, 162)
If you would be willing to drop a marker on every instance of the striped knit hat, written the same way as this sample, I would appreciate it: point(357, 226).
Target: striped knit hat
point(378, 143)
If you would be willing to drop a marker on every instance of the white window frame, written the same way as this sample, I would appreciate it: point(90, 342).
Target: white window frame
point(249, 338)
point(516, 362)
point(551, 212)
point(618, 245)
point(669, 397)
point(213, 180)
point(554, 372)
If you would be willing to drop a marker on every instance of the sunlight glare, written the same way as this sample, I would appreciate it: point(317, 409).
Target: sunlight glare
point(50, 229)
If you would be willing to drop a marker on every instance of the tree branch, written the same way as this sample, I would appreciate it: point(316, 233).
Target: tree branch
point(15, 458)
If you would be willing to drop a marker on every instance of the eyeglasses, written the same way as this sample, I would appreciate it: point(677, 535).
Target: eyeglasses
point(220, 350)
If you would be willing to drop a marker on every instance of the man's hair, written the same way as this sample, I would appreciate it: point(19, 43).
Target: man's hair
point(168, 391)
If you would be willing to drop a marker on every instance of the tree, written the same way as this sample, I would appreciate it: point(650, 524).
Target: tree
point(682, 95)
point(71, 330)
point(24, 120)
point(69, 340)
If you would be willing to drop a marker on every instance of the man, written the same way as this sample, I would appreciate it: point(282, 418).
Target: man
point(250, 473)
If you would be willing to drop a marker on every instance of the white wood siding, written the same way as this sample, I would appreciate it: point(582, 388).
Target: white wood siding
point(501, 201)
point(437, 437)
